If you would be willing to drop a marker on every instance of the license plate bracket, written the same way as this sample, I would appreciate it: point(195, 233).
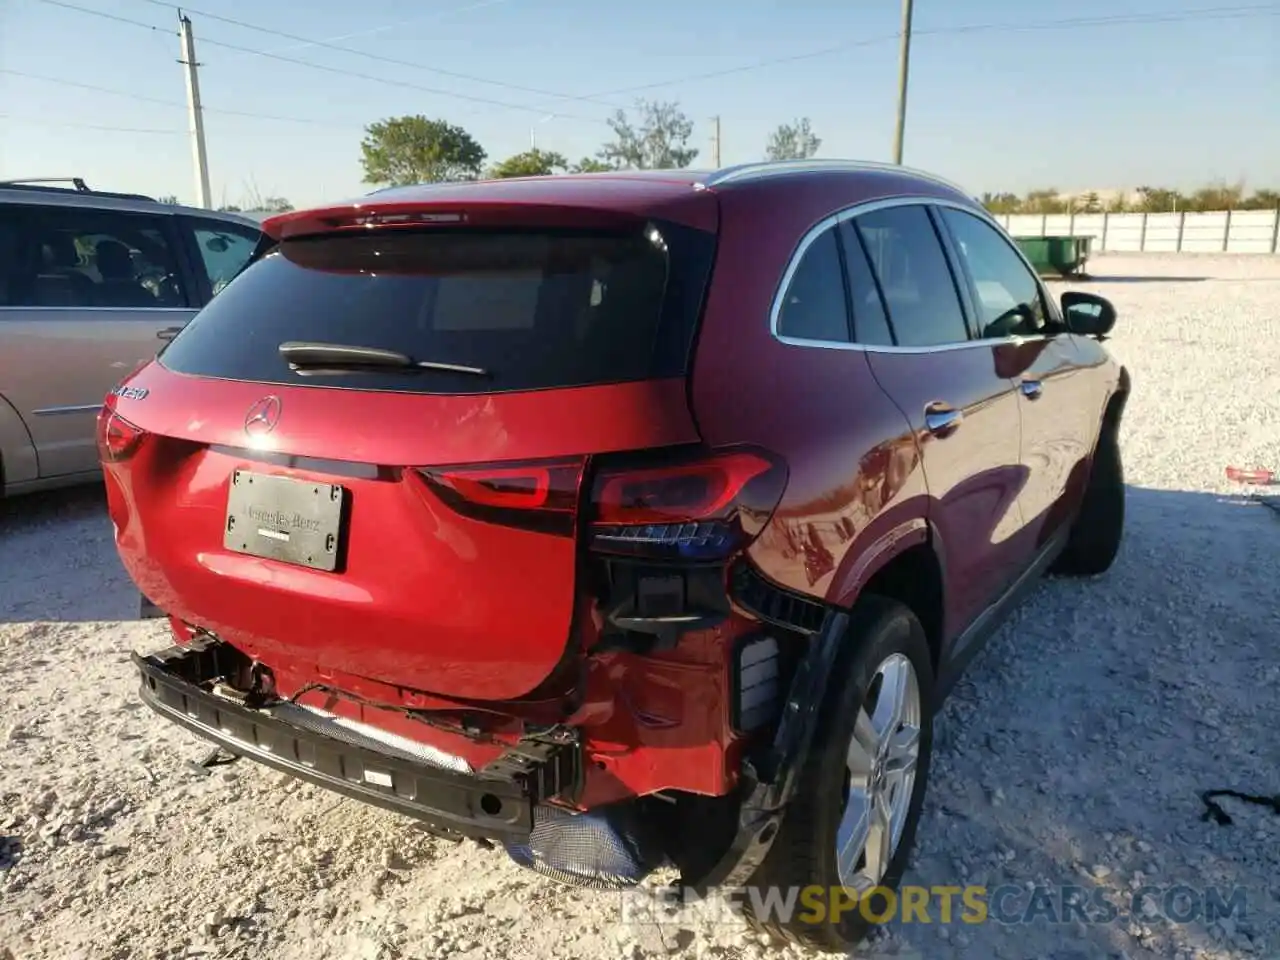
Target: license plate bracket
point(286, 519)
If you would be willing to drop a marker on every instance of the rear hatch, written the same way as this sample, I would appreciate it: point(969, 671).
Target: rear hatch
point(408, 510)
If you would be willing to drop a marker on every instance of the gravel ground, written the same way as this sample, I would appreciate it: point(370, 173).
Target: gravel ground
point(1072, 755)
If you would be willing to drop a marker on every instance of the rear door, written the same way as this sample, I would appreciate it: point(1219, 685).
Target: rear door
point(961, 405)
point(87, 296)
point(453, 562)
point(1059, 414)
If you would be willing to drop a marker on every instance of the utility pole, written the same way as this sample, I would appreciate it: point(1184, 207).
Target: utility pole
point(715, 142)
point(194, 111)
point(904, 59)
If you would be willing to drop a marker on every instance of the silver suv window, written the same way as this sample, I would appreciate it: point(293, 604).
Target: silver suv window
point(224, 250)
point(70, 257)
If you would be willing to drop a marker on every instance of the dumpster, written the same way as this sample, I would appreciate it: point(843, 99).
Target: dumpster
point(1057, 256)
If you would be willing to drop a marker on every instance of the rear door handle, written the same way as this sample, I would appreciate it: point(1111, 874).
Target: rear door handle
point(1031, 389)
point(168, 333)
point(942, 419)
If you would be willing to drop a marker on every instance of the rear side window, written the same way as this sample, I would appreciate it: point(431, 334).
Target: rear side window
point(870, 321)
point(535, 309)
point(70, 257)
point(919, 291)
point(10, 253)
point(813, 307)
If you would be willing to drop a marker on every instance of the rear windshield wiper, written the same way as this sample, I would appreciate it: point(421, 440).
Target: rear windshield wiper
point(306, 357)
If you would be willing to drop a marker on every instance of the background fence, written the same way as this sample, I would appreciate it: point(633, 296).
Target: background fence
point(1226, 231)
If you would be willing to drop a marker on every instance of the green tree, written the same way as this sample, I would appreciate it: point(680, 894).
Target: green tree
point(793, 141)
point(169, 199)
point(230, 208)
point(275, 205)
point(1002, 202)
point(1148, 199)
point(590, 165)
point(531, 163)
point(1218, 196)
point(1044, 201)
point(413, 149)
point(660, 140)
point(1262, 200)
point(1160, 200)
point(1118, 204)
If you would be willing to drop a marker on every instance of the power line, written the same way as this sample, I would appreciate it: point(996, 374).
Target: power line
point(89, 86)
point(524, 107)
point(173, 103)
point(1205, 13)
point(42, 122)
point(436, 18)
point(1240, 11)
point(488, 101)
point(379, 58)
point(109, 16)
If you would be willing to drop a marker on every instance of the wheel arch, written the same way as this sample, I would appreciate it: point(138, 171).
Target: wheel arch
point(1113, 413)
point(18, 462)
point(913, 573)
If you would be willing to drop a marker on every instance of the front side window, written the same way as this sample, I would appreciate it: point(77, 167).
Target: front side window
point(90, 258)
point(224, 250)
point(909, 263)
point(1008, 294)
point(813, 306)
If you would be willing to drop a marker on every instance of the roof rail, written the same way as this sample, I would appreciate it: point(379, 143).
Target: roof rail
point(78, 185)
point(767, 168)
point(77, 182)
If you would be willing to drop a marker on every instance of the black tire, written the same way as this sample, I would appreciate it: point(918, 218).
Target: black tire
point(1097, 531)
point(804, 853)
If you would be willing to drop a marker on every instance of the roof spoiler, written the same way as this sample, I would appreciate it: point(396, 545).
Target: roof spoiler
point(362, 216)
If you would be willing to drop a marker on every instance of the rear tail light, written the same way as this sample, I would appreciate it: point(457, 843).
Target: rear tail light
point(701, 508)
point(695, 507)
point(118, 439)
point(534, 496)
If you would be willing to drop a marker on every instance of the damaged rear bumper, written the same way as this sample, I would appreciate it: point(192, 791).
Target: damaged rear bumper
point(495, 804)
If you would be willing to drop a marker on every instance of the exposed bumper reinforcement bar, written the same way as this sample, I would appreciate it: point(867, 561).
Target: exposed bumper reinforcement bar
point(494, 804)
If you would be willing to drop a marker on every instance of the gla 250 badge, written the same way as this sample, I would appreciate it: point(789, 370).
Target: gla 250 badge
point(130, 393)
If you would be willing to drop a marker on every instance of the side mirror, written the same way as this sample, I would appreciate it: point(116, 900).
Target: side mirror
point(217, 244)
point(1088, 314)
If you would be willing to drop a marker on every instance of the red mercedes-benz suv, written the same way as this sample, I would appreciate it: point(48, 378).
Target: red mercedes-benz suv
point(628, 520)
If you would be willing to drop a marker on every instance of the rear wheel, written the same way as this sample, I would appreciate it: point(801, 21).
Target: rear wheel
point(850, 829)
point(1095, 536)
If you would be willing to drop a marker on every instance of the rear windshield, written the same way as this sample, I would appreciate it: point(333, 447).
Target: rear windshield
point(535, 309)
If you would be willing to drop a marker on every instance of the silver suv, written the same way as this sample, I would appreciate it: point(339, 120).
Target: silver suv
point(92, 284)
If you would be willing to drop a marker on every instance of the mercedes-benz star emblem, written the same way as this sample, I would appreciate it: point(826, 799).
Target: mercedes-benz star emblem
point(262, 416)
